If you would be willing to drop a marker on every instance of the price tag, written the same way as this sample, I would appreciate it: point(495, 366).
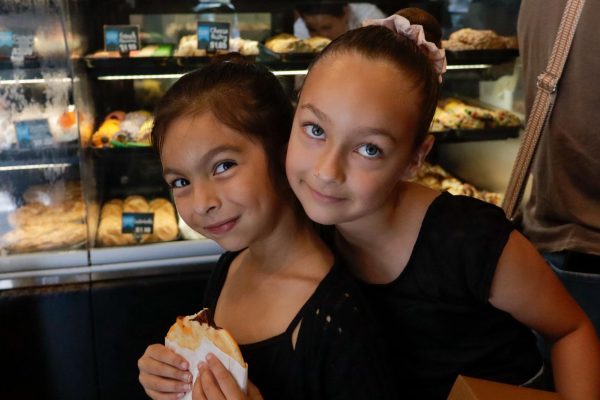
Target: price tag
point(138, 223)
point(213, 36)
point(33, 133)
point(121, 38)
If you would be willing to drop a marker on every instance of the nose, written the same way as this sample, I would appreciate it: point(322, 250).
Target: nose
point(206, 199)
point(330, 168)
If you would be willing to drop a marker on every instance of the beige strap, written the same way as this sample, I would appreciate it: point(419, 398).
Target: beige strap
point(547, 84)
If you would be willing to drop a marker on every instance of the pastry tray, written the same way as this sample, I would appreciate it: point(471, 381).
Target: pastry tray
point(473, 135)
point(451, 135)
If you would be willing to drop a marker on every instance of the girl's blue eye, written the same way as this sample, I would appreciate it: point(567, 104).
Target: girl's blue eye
point(314, 131)
point(223, 167)
point(178, 183)
point(369, 150)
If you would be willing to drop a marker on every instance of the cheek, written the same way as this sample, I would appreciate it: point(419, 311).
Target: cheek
point(182, 207)
point(370, 187)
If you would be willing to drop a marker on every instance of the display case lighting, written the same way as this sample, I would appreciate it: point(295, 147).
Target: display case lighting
point(35, 80)
point(176, 76)
point(33, 166)
point(136, 77)
point(468, 67)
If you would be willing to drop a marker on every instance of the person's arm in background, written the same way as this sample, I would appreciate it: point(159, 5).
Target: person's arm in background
point(526, 287)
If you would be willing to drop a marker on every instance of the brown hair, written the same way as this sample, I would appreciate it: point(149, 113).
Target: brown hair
point(241, 94)
point(377, 42)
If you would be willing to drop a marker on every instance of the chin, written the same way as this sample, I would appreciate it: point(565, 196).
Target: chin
point(322, 217)
point(231, 244)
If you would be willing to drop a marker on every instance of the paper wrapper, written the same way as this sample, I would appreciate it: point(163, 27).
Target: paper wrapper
point(195, 357)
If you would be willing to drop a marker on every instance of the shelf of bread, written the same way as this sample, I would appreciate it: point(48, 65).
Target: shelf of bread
point(164, 58)
point(436, 177)
point(49, 217)
point(289, 48)
point(473, 46)
point(111, 224)
point(458, 120)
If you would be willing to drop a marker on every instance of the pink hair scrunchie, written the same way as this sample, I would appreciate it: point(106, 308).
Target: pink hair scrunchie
point(399, 24)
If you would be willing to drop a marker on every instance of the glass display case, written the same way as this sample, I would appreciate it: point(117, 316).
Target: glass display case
point(42, 210)
point(78, 173)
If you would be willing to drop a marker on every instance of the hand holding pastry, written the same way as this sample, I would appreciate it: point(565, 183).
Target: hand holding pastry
point(164, 374)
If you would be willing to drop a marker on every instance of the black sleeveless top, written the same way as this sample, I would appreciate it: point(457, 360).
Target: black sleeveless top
point(437, 311)
point(338, 352)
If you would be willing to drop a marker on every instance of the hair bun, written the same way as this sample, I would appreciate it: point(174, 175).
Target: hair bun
point(431, 26)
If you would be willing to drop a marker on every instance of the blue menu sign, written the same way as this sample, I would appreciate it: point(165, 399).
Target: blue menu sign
point(213, 36)
point(138, 223)
point(33, 133)
point(121, 38)
point(6, 43)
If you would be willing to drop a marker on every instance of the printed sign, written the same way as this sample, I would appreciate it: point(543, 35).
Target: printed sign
point(33, 133)
point(138, 223)
point(213, 36)
point(121, 38)
point(16, 44)
point(6, 43)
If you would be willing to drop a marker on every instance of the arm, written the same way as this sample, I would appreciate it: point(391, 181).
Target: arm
point(526, 287)
point(163, 373)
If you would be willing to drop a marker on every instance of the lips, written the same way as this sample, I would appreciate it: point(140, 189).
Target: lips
point(324, 198)
point(222, 227)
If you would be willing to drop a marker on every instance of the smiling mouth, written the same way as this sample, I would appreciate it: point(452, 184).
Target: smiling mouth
point(324, 198)
point(222, 227)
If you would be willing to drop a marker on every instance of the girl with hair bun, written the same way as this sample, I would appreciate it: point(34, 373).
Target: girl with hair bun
point(457, 288)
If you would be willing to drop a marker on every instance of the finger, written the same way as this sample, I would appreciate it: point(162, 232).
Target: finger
point(165, 355)
point(152, 367)
point(156, 362)
point(209, 384)
point(224, 378)
point(163, 385)
point(197, 390)
point(253, 392)
point(154, 395)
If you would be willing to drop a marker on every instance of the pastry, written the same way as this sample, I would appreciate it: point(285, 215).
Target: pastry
point(44, 236)
point(189, 331)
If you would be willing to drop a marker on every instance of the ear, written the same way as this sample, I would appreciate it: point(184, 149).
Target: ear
point(418, 157)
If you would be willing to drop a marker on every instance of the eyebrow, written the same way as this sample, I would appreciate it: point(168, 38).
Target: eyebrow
point(210, 155)
point(378, 132)
point(319, 114)
point(364, 130)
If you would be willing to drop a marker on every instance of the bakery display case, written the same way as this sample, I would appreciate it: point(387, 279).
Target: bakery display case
point(82, 197)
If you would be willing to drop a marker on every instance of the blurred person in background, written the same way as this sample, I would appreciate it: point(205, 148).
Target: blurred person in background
point(332, 20)
point(562, 215)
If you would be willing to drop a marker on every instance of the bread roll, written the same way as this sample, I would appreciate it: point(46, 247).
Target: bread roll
point(136, 204)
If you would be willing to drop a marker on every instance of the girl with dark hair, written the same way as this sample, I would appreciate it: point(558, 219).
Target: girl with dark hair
point(221, 133)
point(457, 287)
